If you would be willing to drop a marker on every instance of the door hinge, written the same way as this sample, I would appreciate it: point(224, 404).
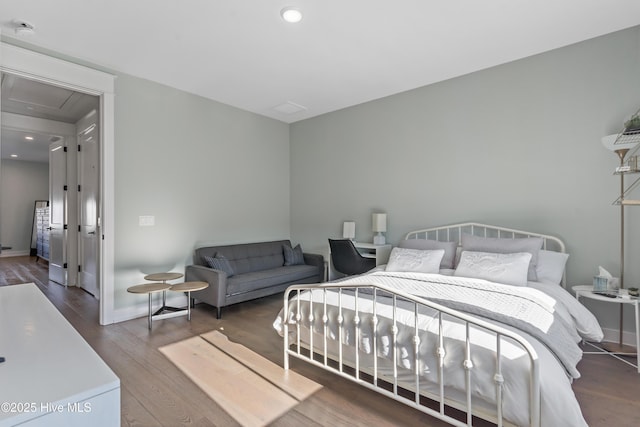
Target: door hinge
point(65, 227)
point(79, 228)
point(78, 187)
point(64, 148)
point(64, 187)
point(79, 269)
point(64, 265)
point(79, 147)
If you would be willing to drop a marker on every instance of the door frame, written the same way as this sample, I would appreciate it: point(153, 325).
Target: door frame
point(47, 69)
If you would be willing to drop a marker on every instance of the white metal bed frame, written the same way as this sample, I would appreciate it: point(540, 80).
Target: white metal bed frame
point(377, 377)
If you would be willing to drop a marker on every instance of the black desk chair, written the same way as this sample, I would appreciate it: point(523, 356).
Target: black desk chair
point(347, 260)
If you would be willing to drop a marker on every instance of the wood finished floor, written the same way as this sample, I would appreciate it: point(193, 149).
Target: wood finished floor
point(155, 393)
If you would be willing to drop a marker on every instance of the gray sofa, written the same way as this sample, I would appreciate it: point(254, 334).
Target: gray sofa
point(256, 270)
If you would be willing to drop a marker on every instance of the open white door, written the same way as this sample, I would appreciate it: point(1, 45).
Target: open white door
point(88, 197)
point(57, 212)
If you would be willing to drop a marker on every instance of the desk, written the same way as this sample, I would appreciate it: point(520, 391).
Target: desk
point(587, 292)
point(368, 250)
point(51, 375)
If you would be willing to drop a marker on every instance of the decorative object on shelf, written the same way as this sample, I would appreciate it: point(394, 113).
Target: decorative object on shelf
point(379, 221)
point(633, 292)
point(349, 230)
point(625, 145)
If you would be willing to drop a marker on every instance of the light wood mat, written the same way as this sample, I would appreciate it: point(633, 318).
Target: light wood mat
point(252, 389)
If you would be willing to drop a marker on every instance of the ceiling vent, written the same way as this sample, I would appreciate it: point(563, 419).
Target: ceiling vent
point(289, 108)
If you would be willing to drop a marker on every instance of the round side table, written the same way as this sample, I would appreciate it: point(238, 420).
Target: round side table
point(587, 292)
point(164, 278)
point(189, 287)
point(150, 289)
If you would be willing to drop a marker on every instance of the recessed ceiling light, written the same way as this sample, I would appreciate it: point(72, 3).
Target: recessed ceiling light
point(28, 138)
point(14, 155)
point(291, 15)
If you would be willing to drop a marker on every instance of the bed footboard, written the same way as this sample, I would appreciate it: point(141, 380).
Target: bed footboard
point(318, 320)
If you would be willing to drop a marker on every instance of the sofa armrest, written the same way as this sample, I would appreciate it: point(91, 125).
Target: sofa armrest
point(216, 293)
point(317, 261)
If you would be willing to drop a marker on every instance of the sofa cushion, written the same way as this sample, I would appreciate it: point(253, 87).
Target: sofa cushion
point(219, 262)
point(246, 282)
point(293, 256)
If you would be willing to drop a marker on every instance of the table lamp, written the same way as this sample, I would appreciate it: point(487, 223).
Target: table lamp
point(379, 221)
point(349, 230)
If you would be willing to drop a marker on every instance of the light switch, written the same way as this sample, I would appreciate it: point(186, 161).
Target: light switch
point(147, 220)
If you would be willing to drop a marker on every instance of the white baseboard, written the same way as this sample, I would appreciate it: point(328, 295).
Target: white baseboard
point(10, 253)
point(613, 335)
point(142, 309)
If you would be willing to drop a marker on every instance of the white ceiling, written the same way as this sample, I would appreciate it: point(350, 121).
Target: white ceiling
point(344, 52)
point(25, 97)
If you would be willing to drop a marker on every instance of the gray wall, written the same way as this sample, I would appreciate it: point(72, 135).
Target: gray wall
point(21, 184)
point(209, 173)
point(516, 145)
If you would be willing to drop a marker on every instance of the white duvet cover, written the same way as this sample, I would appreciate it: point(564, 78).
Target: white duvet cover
point(558, 403)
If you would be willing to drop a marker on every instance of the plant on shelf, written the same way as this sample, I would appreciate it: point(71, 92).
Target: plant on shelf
point(632, 125)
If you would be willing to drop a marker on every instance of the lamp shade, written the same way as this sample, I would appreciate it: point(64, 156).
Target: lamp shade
point(618, 141)
point(379, 221)
point(349, 230)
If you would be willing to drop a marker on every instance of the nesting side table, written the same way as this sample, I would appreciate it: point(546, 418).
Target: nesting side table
point(189, 287)
point(160, 285)
point(150, 289)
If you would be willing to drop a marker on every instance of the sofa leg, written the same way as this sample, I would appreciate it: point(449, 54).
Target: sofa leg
point(218, 312)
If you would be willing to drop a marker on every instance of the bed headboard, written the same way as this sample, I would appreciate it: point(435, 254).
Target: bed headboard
point(451, 233)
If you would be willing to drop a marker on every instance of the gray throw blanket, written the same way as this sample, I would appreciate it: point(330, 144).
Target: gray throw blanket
point(526, 309)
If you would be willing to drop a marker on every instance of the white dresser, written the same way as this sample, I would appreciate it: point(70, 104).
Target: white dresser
point(50, 376)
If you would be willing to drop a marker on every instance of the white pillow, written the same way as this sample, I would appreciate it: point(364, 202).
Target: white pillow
point(415, 260)
point(550, 268)
point(531, 245)
point(509, 269)
point(449, 249)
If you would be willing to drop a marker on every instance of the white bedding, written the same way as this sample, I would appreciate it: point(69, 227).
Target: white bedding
point(558, 403)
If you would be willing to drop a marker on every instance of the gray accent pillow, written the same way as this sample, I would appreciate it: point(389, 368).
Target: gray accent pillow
point(449, 249)
point(219, 262)
point(499, 245)
point(293, 256)
point(550, 268)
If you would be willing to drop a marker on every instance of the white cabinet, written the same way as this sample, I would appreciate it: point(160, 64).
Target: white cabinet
point(42, 233)
point(50, 376)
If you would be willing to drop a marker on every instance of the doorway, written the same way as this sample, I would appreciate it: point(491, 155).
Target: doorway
point(43, 126)
point(45, 69)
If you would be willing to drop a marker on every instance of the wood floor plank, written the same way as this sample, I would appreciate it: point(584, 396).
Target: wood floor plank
point(249, 398)
point(291, 382)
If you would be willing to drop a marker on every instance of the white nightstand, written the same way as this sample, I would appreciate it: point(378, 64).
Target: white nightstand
point(587, 292)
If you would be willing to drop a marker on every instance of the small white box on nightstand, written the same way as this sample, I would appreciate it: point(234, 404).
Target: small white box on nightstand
point(600, 283)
